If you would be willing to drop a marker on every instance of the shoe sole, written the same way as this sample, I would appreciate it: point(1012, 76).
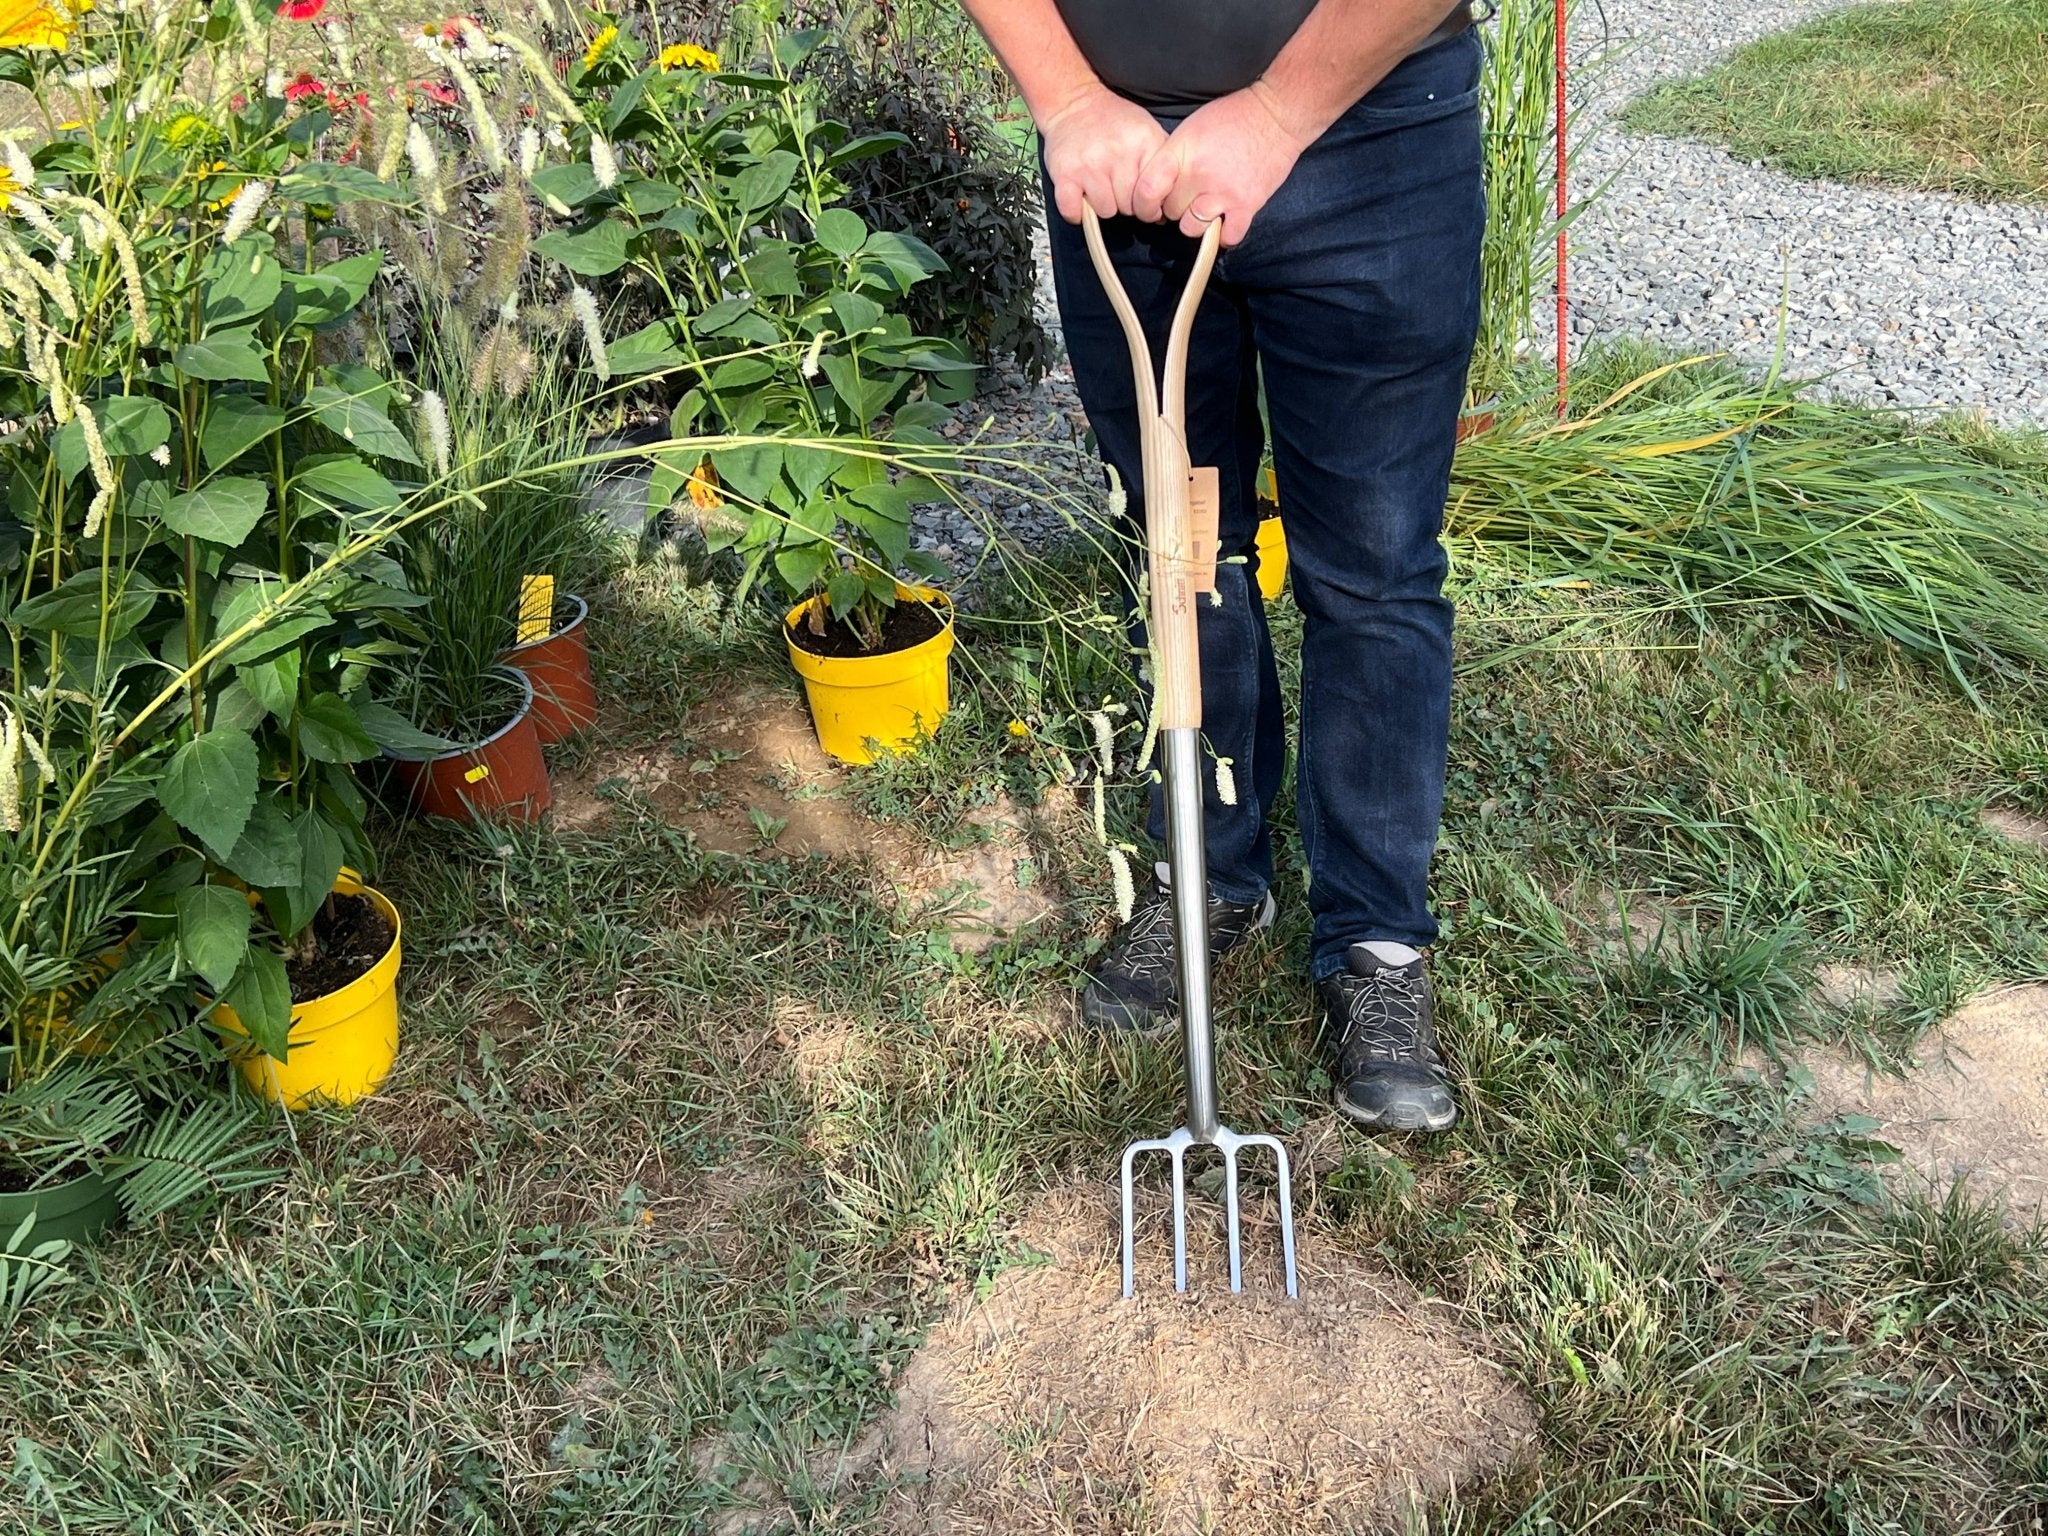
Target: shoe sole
point(1119, 1017)
point(1402, 1117)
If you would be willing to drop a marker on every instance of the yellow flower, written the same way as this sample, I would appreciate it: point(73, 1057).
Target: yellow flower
point(186, 129)
point(688, 56)
point(1019, 729)
point(217, 168)
point(600, 46)
point(704, 487)
point(36, 24)
point(8, 187)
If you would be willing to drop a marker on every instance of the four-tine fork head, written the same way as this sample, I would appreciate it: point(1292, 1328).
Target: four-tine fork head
point(1229, 1143)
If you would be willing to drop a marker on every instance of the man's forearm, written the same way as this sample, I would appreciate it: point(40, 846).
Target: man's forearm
point(1031, 39)
point(1343, 50)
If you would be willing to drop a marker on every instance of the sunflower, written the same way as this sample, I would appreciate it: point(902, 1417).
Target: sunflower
point(688, 56)
point(600, 46)
point(37, 24)
point(8, 187)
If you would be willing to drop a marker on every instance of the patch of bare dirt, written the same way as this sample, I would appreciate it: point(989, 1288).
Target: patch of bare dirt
point(745, 774)
point(1858, 986)
point(2017, 825)
point(1974, 1106)
point(1053, 1405)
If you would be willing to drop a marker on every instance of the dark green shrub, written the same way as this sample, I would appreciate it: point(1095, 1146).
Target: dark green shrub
point(958, 185)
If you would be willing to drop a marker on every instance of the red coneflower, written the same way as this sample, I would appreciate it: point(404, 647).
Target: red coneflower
point(304, 85)
point(301, 10)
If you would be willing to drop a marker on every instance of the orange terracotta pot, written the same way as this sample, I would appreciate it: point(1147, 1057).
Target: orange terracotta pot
point(564, 694)
point(504, 777)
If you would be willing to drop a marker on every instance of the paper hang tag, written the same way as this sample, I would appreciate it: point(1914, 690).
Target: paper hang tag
point(1205, 517)
point(536, 608)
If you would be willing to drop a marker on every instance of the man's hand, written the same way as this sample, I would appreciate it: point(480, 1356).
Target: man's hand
point(1224, 162)
point(1095, 146)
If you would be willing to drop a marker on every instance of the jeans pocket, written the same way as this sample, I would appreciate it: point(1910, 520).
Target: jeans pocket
point(1438, 82)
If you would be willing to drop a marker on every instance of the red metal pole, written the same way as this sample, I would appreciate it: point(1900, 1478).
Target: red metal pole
point(1563, 206)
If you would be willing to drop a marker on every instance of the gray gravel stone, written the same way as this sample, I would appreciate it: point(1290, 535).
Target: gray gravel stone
point(1890, 296)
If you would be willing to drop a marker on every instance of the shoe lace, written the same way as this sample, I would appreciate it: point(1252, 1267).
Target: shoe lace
point(1147, 940)
point(1384, 1017)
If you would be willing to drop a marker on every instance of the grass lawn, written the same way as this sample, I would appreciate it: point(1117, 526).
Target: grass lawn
point(1946, 95)
point(688, 1148)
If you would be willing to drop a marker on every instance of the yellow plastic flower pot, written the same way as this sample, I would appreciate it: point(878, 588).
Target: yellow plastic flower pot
point(1272, 557)
point(891, 700)
point(1272, 537)
point(342, 1045)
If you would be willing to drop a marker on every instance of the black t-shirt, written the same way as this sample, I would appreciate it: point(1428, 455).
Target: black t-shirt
point(1180, 53)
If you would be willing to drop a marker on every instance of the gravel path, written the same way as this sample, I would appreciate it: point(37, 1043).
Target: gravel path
point(1897, 297)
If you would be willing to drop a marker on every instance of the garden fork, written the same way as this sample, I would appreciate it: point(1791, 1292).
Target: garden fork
point(1180, 540)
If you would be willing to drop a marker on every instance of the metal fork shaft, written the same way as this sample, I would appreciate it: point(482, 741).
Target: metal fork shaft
point(1188, 865)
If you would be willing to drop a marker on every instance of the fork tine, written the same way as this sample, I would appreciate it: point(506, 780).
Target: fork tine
point(1230, 1209)
point(1180, 1219)
point(1130, 1222)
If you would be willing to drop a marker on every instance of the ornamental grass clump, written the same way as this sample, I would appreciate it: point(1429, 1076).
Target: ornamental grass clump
point(1723, 490)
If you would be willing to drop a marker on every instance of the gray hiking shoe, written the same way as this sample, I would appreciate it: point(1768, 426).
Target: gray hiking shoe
point(1379, 1030)
point(1136, 985)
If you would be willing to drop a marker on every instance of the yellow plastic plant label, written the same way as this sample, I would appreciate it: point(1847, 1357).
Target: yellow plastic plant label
point(536, 608)
point(477, 774)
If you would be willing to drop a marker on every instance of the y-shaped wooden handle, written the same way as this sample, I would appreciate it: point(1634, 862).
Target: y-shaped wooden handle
point(1182, 561)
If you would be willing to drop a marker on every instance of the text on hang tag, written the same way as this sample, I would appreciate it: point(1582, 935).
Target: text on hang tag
point(1205, 516)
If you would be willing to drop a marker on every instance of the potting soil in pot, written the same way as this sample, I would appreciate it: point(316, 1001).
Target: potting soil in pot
point(903, 626)
point(351, 935)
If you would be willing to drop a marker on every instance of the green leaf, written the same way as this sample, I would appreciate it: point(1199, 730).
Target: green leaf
point(213, 932)
point(73, 606)
point(772, 273)
point(651, 349)
point(394, 733)
point(129, 425)
point(802, 568)
point(762, 185)
point(360, 423)
point(234, 425)
point(858, 314)
point(293, 906)
point(867, 146)
point(273, 683)
point(261, 998)
point(570, 184)
point(322, 297)
point(329, 731)
point(209, 787)
point(235, 708)
point(906, 259)
point(597, 251)
point(324, 181)
point(750, 473)
point(348, 481)
point(809, 468)
point(843, 591)
point(221, 511)
point(238, 602)
point(267, 853)
point(926, 414)
point(721, 315)
point(233, 356)
point(813, 521)
point(239, 283)
point(740, 373)
point(841, 231)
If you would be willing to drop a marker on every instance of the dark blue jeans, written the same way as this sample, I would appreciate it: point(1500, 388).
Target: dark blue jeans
point(1356, 295)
